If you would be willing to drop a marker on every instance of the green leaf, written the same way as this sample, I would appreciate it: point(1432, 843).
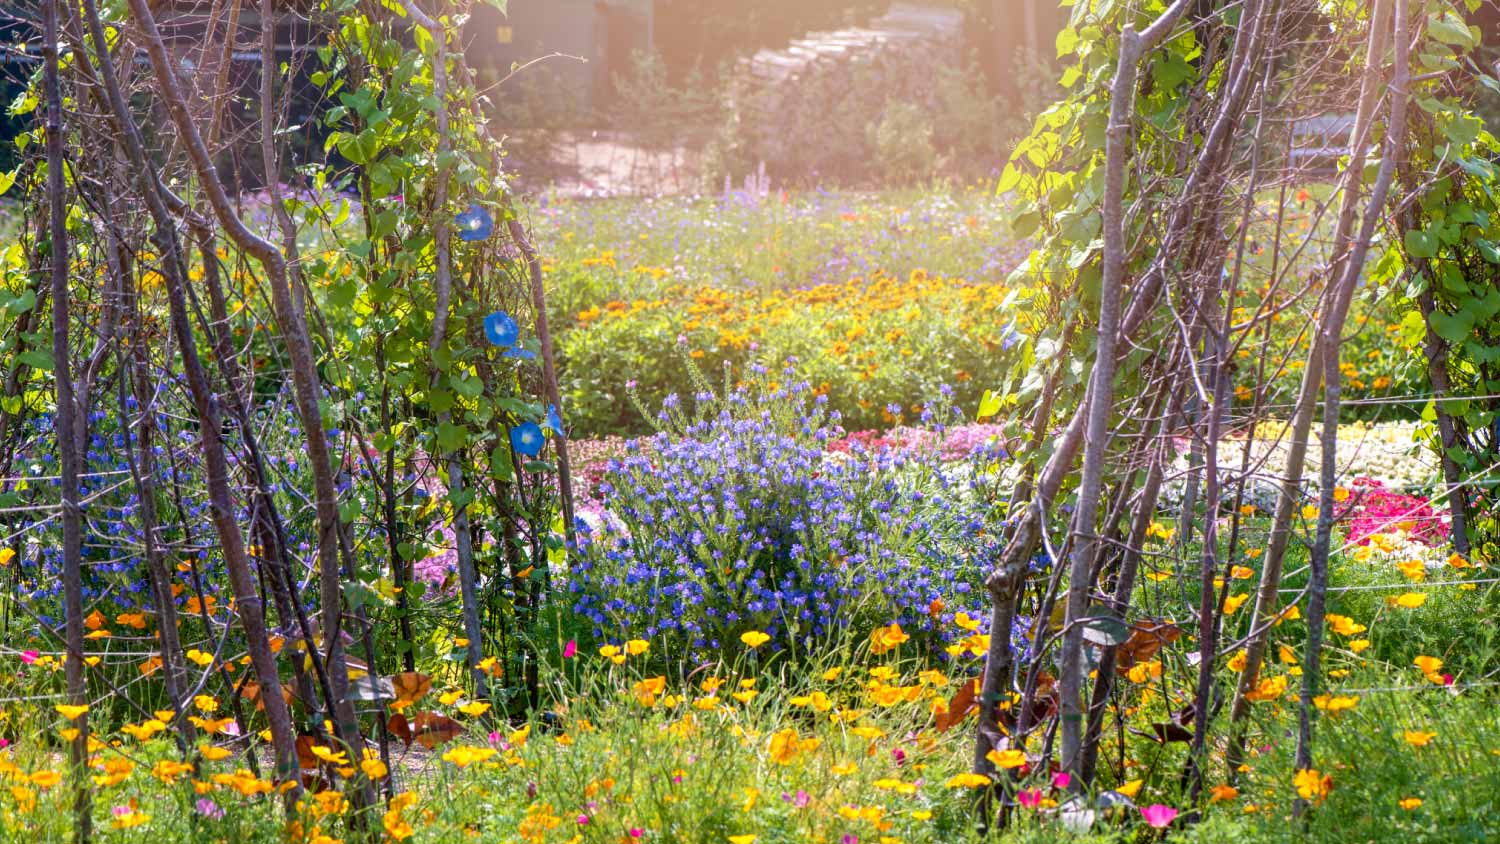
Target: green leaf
point(1104, 629)
point(1453, 328)
point(989, 405)
point(451, 437)
point(38, 359)
point(1420, 244)
point(1067, 41)
point(1451, 29)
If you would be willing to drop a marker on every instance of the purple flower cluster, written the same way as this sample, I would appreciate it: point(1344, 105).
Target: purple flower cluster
point(744, 521)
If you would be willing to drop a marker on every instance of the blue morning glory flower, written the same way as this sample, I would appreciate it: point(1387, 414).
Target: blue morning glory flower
point(554, 420)
point(519, 353)
point(501, 330)
point(474, 224)
point(527, 438)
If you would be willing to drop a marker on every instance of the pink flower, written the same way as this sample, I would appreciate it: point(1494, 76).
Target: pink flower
point(899, 755)
point(636, 832)
point(583, 819)
point(1061, 779)
point(570, 649)
point(1158, 816)
point(1030, 798)
point(29, 657)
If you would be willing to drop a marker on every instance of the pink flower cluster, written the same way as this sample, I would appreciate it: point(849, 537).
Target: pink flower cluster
point(955, 443)
point(1381, 510)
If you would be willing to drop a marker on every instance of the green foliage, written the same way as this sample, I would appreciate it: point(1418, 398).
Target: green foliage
point(1449, 251)
point(902, 141)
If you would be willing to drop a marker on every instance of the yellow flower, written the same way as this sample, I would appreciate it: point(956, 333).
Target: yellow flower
point(213, 753)
point(1340, 494)
point(896, 785)
point(636, 647)
point(741, 839)
point(71, 712)
point(968, 780)
point(646, 690)
point(199, 657)
point(1143, 672)
point(1409, 803)
point(964, 621)
point(1359, 645)
point(884, 639)
point(1427, 664)
point(372, 766)
point(1312, 785)
point(464, 756)
point(395, 827)
point(1344, 625)
point(1234, 602)
point(1007, 759)
point(1336, 703)
point(145, 730)
point(754, 639)
point(1414, 570)
point(474, 709)
point(46, 779)
point(786, 745)
point(1309, 512)
point(1410, 600)
point(1237, 662)
point(130, 819)
point(1242, 572)
point(1131, 789)
point(330, 756)
point(1269, 688)
point(1417, 738)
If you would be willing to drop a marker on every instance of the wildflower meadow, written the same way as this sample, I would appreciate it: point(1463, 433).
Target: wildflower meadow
point(375, 469)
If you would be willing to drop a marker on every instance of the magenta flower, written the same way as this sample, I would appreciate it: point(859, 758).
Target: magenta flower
point(1061, 779)
point(1158, 816)
point(1030, 798)
point(29, 657)
point(583, 819)
point(570, 649)
point(209, 809)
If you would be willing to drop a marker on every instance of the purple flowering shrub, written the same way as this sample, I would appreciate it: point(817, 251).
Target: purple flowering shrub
point(737, 517)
